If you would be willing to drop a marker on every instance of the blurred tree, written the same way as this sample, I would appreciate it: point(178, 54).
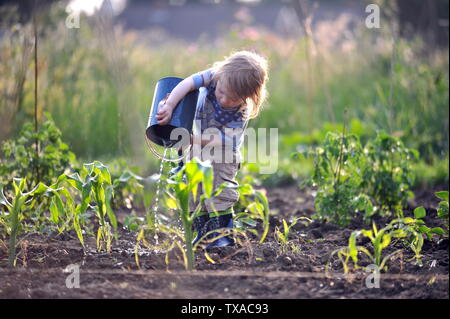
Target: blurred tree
point(429, 18)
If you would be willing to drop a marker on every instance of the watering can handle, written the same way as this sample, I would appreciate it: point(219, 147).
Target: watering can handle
point(155, 152)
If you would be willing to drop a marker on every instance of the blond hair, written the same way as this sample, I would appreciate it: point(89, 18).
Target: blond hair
point(245, 74)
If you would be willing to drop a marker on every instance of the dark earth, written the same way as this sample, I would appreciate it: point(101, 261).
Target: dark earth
point(255, 270)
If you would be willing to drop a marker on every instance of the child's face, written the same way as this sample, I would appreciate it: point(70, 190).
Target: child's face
point(226, 98)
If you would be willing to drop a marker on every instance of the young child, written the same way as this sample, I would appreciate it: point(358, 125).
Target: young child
point(235, 89)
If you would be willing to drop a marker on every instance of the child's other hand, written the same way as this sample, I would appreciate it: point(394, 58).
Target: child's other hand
point(164, 113)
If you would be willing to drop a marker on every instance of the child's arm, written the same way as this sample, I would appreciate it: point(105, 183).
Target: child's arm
point(189, 84)
point(178, 93)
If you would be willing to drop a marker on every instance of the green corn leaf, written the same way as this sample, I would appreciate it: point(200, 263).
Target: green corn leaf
point(40, 189)
point(60, 205)
point(101, 199)
point(208, 181)
point(16, 184)
point(3, 199)
point(126, 176)
point(286, 228)
point(246, 189)
point(104, 172)
point(375, 230)
point(77, 227)
point(85, 197)
point(171, 203)
point(76, 181)
point(183, 197)
point(194, 176)
point(248, 221)
point(61, 179)
point(385, 241)
point(352, 250)
point(266, 211)
point(54, 215)
point(99, 237)
point(112, 217)
point(419, 244)
point(368, 234)
point(69, 200)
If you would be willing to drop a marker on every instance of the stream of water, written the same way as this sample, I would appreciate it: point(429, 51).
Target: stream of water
point(158, 189)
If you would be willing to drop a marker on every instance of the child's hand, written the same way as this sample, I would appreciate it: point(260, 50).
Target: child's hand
point(164, 112)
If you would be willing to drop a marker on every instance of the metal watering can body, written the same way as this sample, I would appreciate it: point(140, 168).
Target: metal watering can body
point(182, 116)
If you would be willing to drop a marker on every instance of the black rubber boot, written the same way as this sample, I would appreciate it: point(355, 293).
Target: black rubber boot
point(220, 222)
point(200, 225)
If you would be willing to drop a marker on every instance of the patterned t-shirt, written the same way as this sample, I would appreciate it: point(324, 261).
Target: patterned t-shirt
point(231, 122)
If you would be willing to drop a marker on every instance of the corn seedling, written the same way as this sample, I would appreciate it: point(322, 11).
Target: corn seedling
point(95, 185)
point(282, 237)
point(20, 202)
point(184, 184)
point(256, 208)
point(379, 239)
point(411, 231)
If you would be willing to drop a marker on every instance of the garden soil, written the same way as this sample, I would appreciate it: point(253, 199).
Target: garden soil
point(250, 270)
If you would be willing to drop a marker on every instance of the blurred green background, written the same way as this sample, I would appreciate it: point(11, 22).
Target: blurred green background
point(97, 80)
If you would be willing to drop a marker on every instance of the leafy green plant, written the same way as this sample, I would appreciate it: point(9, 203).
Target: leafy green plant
point(414, 231)
point(16, 207)
point(388, 175)
point(94, 184)
point(254, 206)
point(128, 188)
point(21, 160)
point(375, 179)
point(338, 165)
point(133, 222)
point(379, 239)
point(410, 231)
point(184, 184)
point(282, 237)
point(442, 211)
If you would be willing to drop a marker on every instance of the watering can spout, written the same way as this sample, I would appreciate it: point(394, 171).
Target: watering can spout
point(182, 116)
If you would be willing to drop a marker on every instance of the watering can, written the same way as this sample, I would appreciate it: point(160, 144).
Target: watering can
point(182, 116)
